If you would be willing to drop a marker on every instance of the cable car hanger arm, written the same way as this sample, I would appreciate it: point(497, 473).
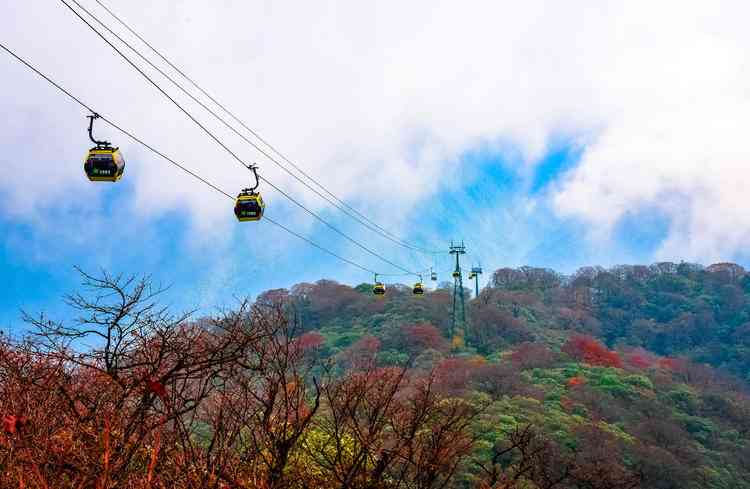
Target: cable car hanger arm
point(253, 168)
point(99, 144)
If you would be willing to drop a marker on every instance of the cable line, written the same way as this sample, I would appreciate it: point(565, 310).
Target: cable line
point(226, 124)
point(339, 203)
point(227, 149)
point(175, 163)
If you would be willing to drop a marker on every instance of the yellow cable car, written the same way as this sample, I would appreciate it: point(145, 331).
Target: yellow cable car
point(472, 275)
point(456, 274)
point(379, 289)
point(249, 205)
point(103, 163)
point(418, 288)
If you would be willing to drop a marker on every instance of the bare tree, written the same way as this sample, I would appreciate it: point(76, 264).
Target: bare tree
point(149, 367)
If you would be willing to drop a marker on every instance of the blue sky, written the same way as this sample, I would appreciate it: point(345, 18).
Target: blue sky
point(38, 261)
point(545, 134)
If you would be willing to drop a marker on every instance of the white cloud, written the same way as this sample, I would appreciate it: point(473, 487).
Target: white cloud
point(381, 98)
point(676, 136)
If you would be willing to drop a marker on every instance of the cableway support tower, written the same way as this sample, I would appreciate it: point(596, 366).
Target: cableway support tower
point(458, 314)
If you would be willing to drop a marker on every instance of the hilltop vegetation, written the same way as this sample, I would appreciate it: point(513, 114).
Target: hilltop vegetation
point(672, 310)
point(610, 379)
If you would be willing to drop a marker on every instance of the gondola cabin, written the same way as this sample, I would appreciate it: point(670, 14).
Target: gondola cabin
point(456, 274)
point(379, 289)
point(433, 276)
point(418, 289)
point(249, 206)
point(104, 164)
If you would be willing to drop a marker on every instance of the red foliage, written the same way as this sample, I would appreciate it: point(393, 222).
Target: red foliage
point(157, 388)
point(576, 381)
point(424, 336)
point(328, 297)
point(533, 355)
point(310, 341)
point(673, 364)
point(12, 423)
point(640, 359)
point(490, 326)
point(453, 374)
point(591, 351)
point(95, 419)
point(362, 353)
point(367, 344)
point(274, 297)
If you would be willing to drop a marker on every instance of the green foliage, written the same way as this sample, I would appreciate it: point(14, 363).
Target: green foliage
point(680, 421)
point(639, 381)
point(700, 428)
point(684, 398)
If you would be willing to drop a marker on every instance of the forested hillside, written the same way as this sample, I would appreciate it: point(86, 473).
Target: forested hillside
point(608, 379)
point(675, 310)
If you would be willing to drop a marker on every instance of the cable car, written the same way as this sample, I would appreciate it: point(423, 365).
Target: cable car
point(249, 205)
point(418, 289)
point(433, 276)
point(103, 163)
point(456, 274)
point(379, 289)
point(472, 275)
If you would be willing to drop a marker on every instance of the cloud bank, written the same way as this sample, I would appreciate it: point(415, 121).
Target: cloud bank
point(384, 99)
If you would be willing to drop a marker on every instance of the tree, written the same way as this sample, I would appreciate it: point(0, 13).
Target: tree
point(312, 340)
point(591, 351)
point(528, 456)
point(146, 370)
point(525, 278)
point(533, 355)
point(640, 359)
point(270, 405)
point(415, 338)
point(491, 327)
point(498, 379)
point(387, 424)
point(362, 354)
point(454, 374)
